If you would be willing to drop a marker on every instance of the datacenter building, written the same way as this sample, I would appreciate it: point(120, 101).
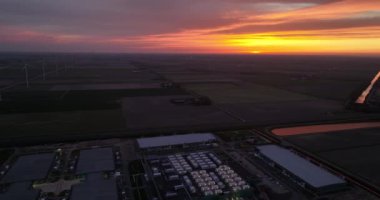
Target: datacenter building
point(300, 170)
point(95, 160)
point(95, 187)
point(92, 163)
point(20, 191)
point(29, 167)
point(25, 170)
point(175, 140)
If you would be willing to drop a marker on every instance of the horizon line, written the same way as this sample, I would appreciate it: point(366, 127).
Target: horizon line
point(196, 53)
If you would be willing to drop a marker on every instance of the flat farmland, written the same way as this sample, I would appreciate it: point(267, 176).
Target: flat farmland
point(53, 125)
point(245, 93)
point(279, 113)
point(92, 94)
point(361, 161)
point(355, 151)
point(159, 112)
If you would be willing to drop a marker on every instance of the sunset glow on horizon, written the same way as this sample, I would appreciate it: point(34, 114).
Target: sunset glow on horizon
point(192, 26)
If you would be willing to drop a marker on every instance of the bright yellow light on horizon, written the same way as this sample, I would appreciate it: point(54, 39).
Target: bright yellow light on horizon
point(255, 52)
point(268, 41)
point(314, 44)
point(291, 42)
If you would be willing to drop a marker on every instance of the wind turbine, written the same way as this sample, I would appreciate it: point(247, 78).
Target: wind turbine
point(43, 69)
point(26, 75)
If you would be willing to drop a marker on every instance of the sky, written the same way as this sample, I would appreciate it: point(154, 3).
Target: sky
point(191, 26)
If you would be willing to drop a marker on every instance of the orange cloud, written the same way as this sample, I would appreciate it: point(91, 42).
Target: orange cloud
point(294, 26)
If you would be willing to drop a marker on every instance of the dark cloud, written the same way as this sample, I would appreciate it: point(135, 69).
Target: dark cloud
point(127, 17)
point(113, 17)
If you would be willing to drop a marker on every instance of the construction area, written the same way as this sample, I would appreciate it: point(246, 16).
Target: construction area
point(191, 166)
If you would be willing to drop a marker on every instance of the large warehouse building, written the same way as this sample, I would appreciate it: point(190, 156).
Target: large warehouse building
point(20, 191)
point(22, 173)
point(29, 167)
point(92, 163)
point(95, 187)
point(302, 171)
point(175, 140)
point(95, 160)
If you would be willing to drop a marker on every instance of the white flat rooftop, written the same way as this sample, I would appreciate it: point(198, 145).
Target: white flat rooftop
point(300, 167)
point(175, 140)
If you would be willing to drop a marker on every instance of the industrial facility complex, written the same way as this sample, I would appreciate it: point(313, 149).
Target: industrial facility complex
point(195, 175)
point(193, 166)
